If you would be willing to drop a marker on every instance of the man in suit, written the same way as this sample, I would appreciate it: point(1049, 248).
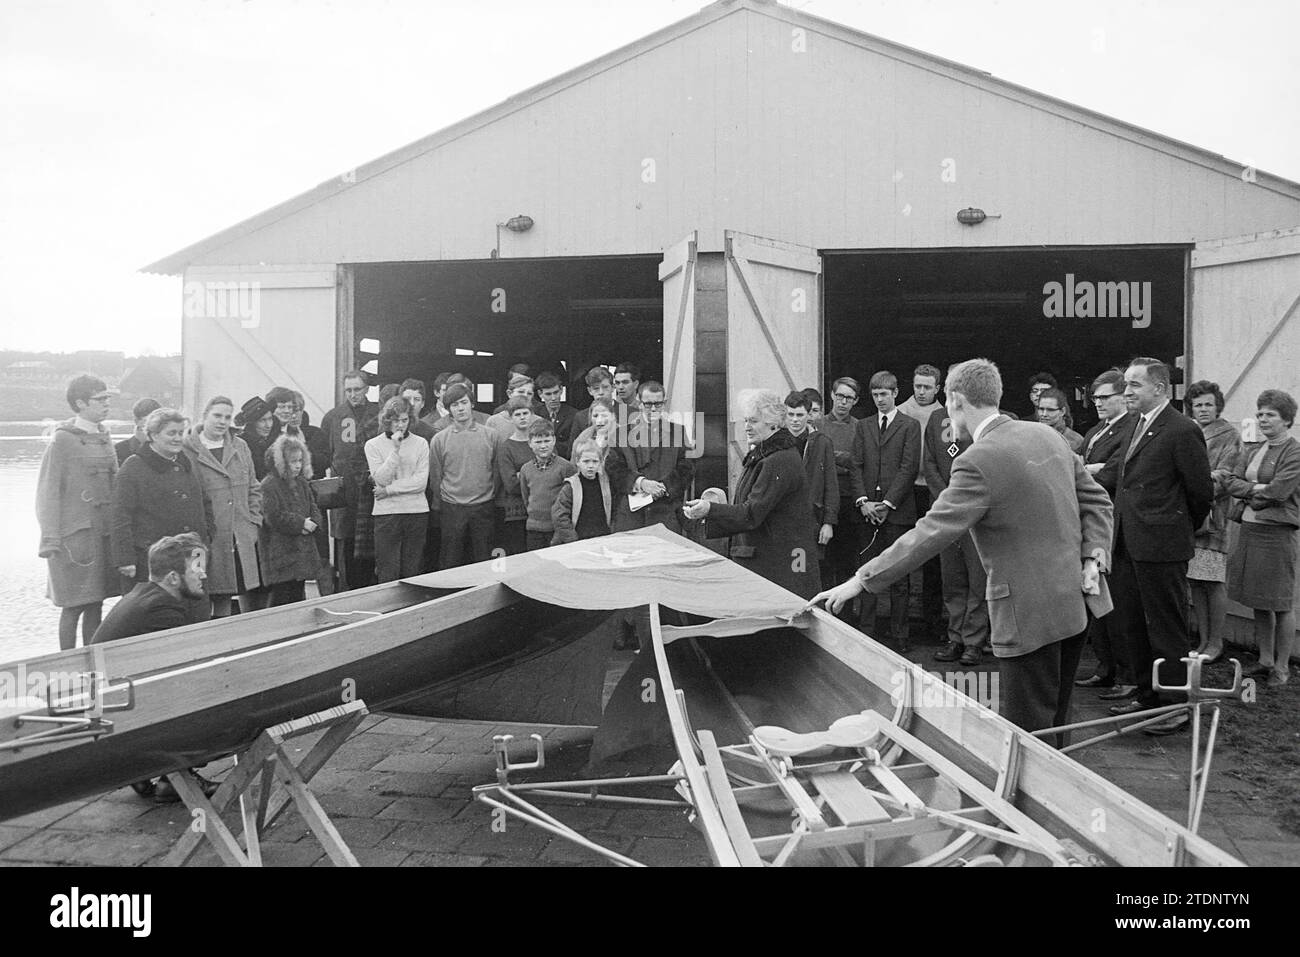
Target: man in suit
point(891, 461)
point(1114, 675)
point(1042, 526)
point(1163, 492)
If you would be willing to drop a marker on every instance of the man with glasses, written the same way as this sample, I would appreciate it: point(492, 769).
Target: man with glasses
point(842, 552)
point(1114, 674)
point(650, 458)
point(347, 427)
point(74, 492)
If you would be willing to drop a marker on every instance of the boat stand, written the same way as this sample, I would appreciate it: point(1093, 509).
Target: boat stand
point(252, 780)
point(1198, 697)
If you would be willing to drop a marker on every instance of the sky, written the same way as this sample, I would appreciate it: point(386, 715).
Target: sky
point(132, 128)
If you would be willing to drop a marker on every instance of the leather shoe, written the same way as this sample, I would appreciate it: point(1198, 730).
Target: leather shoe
point(971, 657)
point(1255, 671)
point(1128, 707)
point(164, 793)
point(1118, 693)
point(1096, 681)
point(1170, 725)
point(208, 787)
point(950, 652)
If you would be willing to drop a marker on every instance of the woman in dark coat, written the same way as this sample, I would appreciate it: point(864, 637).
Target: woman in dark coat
point(157, 495)
point(771, 524)
point(290, 518)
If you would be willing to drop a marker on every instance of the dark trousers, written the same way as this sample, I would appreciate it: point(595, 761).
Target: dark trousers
point(399, 545)
point(511, 535)
point(286, 593)
point(964, 581)
point(432, 541)
point(535, 540)
point(1108, 645)
point(466, 533)
point(932, 595)
point(1034, 689)
point(886, 535)
point(354, 572)
point(843, 557)
point(1151, 601)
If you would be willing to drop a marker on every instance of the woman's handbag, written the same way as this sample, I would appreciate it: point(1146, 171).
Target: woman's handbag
point(329, 492)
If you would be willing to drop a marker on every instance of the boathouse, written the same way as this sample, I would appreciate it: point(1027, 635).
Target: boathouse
point(755, 196)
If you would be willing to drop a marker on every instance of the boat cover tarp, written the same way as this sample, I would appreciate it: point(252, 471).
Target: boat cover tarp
point(628, 569)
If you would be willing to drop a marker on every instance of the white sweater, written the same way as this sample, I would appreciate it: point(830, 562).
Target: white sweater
point(401, 474)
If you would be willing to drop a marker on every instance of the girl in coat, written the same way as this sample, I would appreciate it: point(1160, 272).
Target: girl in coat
point(225, 468)
point(771, 523)
point(290, 518)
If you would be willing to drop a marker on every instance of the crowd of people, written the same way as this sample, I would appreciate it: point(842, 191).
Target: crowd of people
point(422, 480)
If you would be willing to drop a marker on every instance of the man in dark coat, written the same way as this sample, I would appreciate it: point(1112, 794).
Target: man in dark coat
point(140, 412)
point(347, 427)
point(177, 571)
point(649, 457)
point(771, 522)
point(561, 415)
point(1163, 492)
point(891, 461)
point(818, 454)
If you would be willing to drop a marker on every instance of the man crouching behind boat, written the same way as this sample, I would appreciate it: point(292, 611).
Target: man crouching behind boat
point(1042, 527)
point(177, 572)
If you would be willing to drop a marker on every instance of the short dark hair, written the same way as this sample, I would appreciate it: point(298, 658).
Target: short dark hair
point(926, 369)
point(1157, 371)
point(1060, 398)
point(1280, 402)
point(540, 427)
point(388, 392)
point(1205, 387)
point(798, 400)
point(455, 392)
point(278, 395)
point(416, 384)
point(82, 388)
point(814, 396)
point(143, 407)
point(547, 380)
point(1111, 377)
point(173, 554)
point(849, 381)
point(596, 375)
point(629, 368)
point(884, 380)
point(440, 380)
point(1045, 377)
point(650, 385)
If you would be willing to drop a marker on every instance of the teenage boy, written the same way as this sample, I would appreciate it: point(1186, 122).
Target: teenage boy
point(819, 467)
point(540, 481)
point(600, 385)
point(924, 402)
point(839, 425)
point(412, 391)
point(560, 414)
point(513, 453)
point(463, 477)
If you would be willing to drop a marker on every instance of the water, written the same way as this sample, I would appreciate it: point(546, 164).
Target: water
point(29, 622)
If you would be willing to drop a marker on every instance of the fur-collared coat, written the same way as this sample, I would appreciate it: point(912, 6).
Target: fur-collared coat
point(288, 553)
point(235, 498)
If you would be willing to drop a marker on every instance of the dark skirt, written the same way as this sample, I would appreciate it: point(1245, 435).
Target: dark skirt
point(1262, 568)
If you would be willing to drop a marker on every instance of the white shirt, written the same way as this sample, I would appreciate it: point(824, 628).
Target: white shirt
point(979, 429)
point(1145, 421)
point(888, 417)
point(87, 426)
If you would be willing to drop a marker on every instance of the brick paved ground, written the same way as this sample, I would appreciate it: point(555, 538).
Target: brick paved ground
point(399, 792)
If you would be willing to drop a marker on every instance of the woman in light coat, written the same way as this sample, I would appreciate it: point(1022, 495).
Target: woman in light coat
point(225, 468)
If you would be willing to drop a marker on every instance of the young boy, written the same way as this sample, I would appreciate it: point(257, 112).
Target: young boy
point(540, 481)
point(583, 508)
point(512, 455)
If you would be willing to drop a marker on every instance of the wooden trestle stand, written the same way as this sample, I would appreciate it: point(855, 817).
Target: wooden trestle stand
point(252, 781)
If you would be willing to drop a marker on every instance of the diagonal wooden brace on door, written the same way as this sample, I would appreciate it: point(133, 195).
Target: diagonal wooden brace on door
point(251, 782)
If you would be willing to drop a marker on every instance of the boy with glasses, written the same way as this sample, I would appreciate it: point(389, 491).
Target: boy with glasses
point(839, 425)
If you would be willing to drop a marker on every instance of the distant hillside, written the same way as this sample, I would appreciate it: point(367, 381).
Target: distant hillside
point(33, 384)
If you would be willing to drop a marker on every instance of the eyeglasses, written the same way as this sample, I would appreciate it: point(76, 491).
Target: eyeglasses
point(1101, 396)
point(654, 405)
point(846, 398)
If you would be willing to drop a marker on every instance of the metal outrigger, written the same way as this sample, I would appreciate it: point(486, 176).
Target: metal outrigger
point(1198, 697)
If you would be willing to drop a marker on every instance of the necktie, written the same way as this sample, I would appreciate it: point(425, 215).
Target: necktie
point(1138, 431)
point(884, 424)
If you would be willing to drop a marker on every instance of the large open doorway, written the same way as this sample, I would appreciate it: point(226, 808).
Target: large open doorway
point(482, 317)
point(897, 309)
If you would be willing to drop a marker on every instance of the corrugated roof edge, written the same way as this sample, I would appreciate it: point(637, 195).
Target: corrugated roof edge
point(175, 263)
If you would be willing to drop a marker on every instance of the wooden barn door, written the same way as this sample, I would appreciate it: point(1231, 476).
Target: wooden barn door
point(677, 273)
point(774, 323)
point(1245, 325)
